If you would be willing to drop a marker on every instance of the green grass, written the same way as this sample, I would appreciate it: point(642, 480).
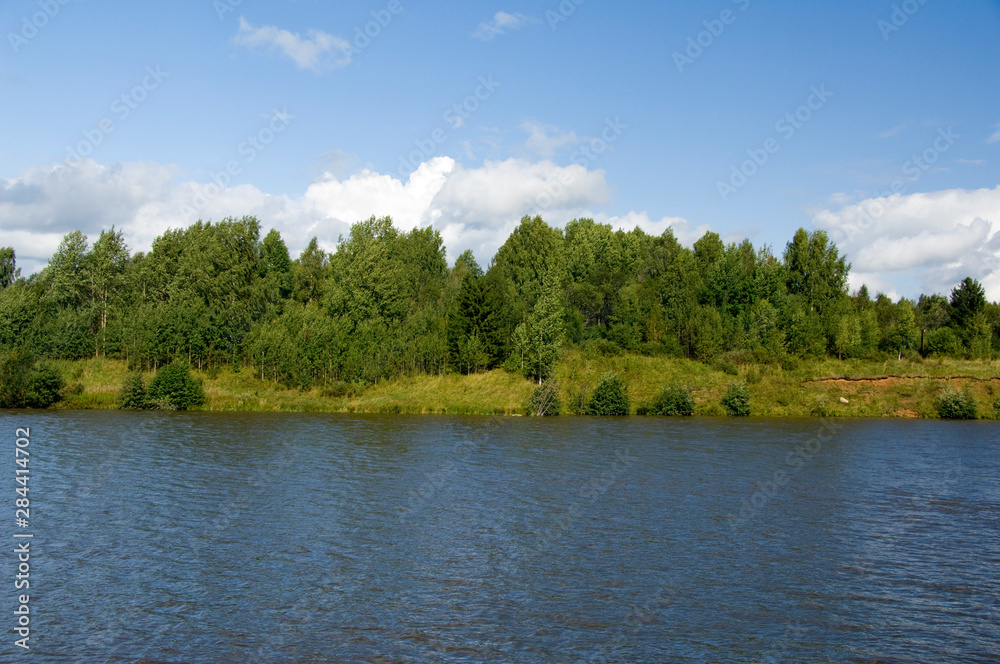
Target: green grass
point(816, 387)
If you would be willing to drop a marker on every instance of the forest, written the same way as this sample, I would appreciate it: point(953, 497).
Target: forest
point(386, 303)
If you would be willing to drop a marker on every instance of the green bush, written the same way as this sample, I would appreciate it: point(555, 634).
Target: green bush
point(173, 387)
point(44, 385)
point(953, 405)
point(22, 384)
point(736, 400)
point(545, 400)
point(577, 403)
point(609, 398)
point(672, 400)
point(133, 393)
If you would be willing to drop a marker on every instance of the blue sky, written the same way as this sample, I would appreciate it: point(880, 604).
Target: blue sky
point(633, 113)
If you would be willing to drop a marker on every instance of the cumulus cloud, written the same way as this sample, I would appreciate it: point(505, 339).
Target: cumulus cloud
point(501, 23)
point(685, 232)
point(932, 240)
point(317, 51)
point(473, 208)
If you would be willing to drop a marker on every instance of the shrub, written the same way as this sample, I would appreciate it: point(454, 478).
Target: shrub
point(736, 400)
point(672, 400)
point(609, 398)
point(952, 405)
point(15, 371)
point(338, 389)
point(44, 385)
point(173, 387)
point(545, 400)
point(23, 384)
point(577, 403)
point(133, 393)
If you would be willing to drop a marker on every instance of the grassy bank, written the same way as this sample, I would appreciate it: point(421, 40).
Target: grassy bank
point(819, 387)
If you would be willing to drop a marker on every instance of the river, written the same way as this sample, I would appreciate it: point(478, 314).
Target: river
point(202, 537)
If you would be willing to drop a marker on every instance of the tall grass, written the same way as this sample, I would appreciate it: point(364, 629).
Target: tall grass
point(814, 387)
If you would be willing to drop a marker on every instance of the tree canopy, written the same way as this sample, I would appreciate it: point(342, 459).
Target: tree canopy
point(384, 302)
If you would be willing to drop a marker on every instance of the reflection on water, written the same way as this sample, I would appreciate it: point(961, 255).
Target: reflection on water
point(300, 538)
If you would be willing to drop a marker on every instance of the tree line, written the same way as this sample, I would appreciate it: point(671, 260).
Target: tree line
point(385, 303)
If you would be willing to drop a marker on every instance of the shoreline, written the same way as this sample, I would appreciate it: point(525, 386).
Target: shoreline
point(815, 388)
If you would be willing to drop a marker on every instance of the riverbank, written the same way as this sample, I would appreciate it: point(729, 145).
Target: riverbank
point(895, 389)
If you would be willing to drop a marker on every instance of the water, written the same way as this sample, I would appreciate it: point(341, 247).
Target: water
point(301, 538)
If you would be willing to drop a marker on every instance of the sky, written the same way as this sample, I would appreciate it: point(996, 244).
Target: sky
point(876, 121)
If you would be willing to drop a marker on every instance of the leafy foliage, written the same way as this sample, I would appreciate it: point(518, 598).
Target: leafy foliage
point(610, 397)
point(173, 388)
point(44, 385)
point(736, 400)
point(133, 393)
point(385, 303)
point(672, 400)
point(545, 400)
point(954, 405)
point(22, 384)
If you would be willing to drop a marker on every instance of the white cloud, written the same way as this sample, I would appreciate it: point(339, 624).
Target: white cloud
point(932, 240)
point(502, 22)
point(895, 131)
point(472, 207)
point(685, 232)
point(544, 140)
point(317, 51)
point(995, 138)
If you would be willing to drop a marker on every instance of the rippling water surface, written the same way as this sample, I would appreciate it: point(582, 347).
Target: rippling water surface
point(303, 538)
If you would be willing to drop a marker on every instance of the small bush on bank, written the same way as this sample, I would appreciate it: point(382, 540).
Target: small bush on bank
point(609, 397)
point(44, 385)
point(736, 400)
point(544, 400)
point(672, 400)
point(173, 388)
point(133, 393)
point(953, 405)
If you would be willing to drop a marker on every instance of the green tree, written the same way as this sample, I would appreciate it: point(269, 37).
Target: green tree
point(736, 400)
point(672, 400)
point(967, 300)
point(133, 393)
point(310, 273)
point(105, 267)
point(173, 387)
point(545, 329)
point(8, 267)
point(815, 269)
point(610, 397)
